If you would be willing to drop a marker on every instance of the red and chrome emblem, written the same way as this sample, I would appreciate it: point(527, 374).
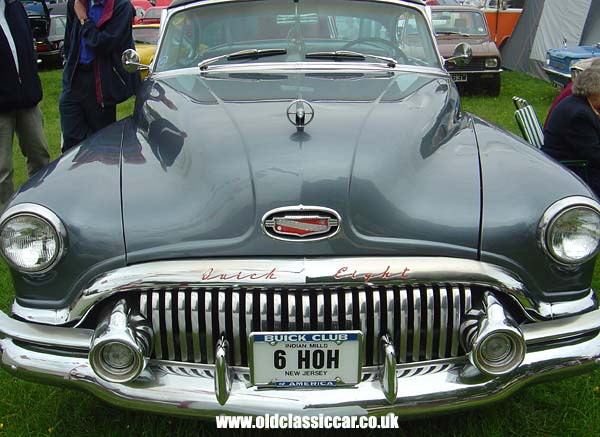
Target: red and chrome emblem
point(301, 223)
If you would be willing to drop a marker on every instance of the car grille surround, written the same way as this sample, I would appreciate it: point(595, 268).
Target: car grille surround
point(476, 64)
point(423, 320)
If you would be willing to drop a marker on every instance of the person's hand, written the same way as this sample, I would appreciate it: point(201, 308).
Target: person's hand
point(80, 10)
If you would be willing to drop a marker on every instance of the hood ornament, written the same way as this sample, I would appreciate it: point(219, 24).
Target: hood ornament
point(300, 113)
point(301, 223)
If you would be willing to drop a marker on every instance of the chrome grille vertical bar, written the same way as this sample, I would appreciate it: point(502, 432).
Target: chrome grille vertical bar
point(208, 323)
point(349, 303)
point(305, 311)
point(468, 301)
point(277, 309)
point(237, 336)
point(430, 321)
point(249, 312)
point(455, 321)
point(181, 300)
point(195, 326)
point(169, 325)
point(144, 305)
point(392, 329)
point(416, 352)
point(222, 311)
point(320, 310)
point(335, 324)
point(403, 325)
point(291, 298)
point(362, 315)
point(263, 311)
point(221, 318)
point(158, 353)
point(443, 321)
point(376, 324)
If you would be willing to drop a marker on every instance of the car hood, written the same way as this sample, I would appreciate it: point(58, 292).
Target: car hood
point(388, 151)
point(576, 52)
point(481, 46)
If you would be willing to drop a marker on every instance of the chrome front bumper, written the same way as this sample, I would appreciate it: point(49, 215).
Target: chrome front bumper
point(554, 348)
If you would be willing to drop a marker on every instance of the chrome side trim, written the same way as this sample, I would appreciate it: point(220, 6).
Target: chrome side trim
point(80, 339)
point(56, 336)
point(303, 271)
point(553, 330)
point(550, 70)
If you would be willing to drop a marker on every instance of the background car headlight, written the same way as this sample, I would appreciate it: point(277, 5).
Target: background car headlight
point(31, 242)
point(491, 63)
point(572, 233)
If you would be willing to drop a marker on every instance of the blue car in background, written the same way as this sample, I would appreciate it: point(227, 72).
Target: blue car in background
point(559, 62)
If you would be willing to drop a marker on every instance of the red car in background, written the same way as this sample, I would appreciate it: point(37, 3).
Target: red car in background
point(141, 6)
point(152, 15)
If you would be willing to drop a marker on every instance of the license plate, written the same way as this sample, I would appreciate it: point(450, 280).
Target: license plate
point(459, 77)
point(305, 359)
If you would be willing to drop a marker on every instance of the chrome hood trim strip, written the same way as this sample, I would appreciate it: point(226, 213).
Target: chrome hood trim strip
point(304, 272)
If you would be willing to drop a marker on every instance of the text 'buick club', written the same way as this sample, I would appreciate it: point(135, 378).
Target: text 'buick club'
point(300, 218)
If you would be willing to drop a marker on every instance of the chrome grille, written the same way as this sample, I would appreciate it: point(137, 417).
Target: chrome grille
point(476, 64)
point(423, 320)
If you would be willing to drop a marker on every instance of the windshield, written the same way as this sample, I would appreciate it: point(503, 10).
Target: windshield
point(296, 29)
point(461, 22)
point(145, 35)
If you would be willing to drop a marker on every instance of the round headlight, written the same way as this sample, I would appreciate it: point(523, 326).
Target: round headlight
point(31, 242)
point(569, 230)
point(574, 235)
point(491, 63)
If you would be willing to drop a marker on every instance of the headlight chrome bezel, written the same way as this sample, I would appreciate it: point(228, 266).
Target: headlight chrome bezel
point(51, 219)
point(554, 212)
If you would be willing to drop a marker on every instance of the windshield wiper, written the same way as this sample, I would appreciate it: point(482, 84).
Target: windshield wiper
point(452, 32)
point(242, 54)
point(344, 54)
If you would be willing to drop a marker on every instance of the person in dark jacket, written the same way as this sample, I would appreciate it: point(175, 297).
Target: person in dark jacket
point(567, 91)
point(573, 129)
point(97, 33)
point(20, 93)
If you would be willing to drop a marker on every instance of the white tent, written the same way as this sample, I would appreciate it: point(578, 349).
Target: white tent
point(546, 24)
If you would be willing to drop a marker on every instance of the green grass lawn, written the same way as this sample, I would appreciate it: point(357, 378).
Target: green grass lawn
point(563, 408)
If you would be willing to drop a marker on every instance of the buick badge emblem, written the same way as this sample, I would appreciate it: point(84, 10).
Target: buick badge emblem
point(301, 223)
point(300, 113)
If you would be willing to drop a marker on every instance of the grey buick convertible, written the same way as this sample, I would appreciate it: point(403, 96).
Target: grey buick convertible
point(299, 218)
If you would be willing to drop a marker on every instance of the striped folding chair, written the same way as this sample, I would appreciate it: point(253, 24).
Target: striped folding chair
point(520, 102)
point(530, 126)
point(531, 129)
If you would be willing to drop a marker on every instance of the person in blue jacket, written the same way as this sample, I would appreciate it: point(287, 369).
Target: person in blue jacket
point(94, 82)
point(20, 93)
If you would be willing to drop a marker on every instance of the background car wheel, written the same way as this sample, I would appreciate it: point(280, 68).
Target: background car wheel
point(493, 86)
